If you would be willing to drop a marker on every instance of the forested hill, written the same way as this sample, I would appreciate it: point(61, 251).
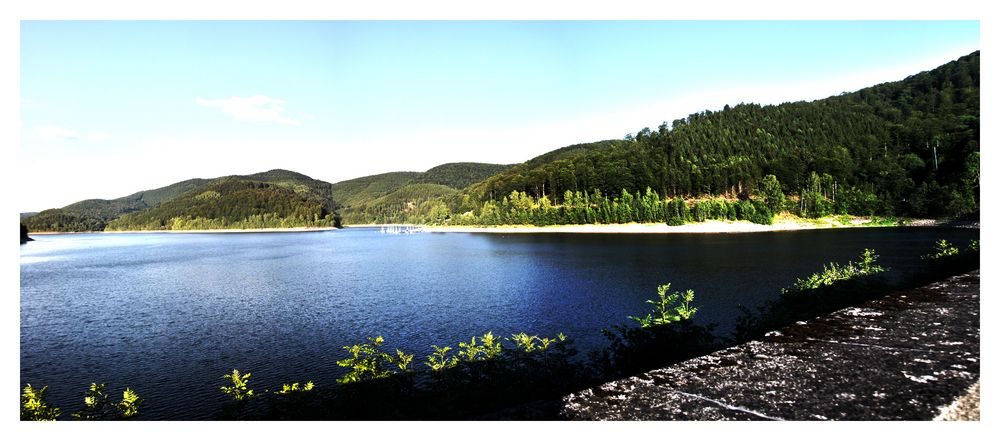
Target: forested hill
point(909, 147)
point(407, 196)
point(94, 214)
point(276, 198)
point(459, 175)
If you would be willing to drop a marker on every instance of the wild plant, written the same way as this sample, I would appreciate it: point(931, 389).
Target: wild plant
point(489, 348)
point(34, 407)
point(98, 405)
point(294, 389)
point(664, 335)
point(664, 311)
point(438, 361)
point(240, 390)
point(973, 246)
point(943, 249)
point(368, 361)
point(833, 273)
point(128, 407)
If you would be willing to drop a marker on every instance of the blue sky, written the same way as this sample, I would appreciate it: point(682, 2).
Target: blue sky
point(110, 108)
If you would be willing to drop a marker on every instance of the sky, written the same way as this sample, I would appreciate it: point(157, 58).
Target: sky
point(109, 108)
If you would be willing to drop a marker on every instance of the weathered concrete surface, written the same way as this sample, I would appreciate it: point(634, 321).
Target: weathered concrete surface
point(905, 357)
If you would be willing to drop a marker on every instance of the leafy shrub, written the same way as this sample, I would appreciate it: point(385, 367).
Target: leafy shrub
point(533, 343)
point(240, 390)
point(489, 349)
point(665, 335)
point(368, 361)
point(833, 273)
point(944, 249)
point(34, 407)
point(439, 361)
point(98, 405)
point(664, 313)
point(295, 389)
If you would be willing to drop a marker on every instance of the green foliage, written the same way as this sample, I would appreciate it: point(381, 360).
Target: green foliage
point(664, 335)
point(240, 390)
point(973, 246)
point(868, 147)
point(770, 192)
point(944, 249)
point(128, 407)
point(438, 360)
point(94, 214)
point(274, 199)
point(34, 407)
point(489, 348)
point(664, 310)
point(369, 362)
point(294, 389)
point(459, 175)
point(833, 273)
point(533, 343)
point(96, 402)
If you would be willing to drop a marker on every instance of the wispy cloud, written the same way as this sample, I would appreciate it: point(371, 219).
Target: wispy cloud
point(52, 131)
point(257, 108)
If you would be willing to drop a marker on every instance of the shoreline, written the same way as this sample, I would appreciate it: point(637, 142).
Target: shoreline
point(222, 231)
point(781, 223)
point(705, 227)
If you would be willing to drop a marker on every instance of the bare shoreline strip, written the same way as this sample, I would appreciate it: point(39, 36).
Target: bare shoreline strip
point(708, 226)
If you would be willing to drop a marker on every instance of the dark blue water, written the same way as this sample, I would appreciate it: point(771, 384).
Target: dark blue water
point(169, 314)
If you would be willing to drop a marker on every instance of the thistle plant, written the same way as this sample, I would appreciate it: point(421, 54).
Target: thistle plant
point(240, 390)
point(34, 407)
point(664, 311)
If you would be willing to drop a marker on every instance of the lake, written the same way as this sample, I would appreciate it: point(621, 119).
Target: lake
point(169, 314)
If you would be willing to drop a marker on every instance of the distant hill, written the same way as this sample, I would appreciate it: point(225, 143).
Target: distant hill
point(94, 214)
point(276, 198)
point(398, 196)
point(357, 192)
point(459, 175)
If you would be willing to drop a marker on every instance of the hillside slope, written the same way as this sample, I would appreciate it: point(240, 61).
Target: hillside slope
point(407, 196)
point(273, 199)
point(906, 147)
point(276, 198)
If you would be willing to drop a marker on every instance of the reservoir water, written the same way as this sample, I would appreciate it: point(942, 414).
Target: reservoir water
point(169, 314)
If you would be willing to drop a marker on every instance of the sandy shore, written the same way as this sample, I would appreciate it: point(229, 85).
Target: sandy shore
point(247, 230)
point(710, 226)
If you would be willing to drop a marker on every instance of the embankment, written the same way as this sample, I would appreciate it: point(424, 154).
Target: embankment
point(913, 355)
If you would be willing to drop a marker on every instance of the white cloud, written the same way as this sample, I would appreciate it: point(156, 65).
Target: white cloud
point(257, 108)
